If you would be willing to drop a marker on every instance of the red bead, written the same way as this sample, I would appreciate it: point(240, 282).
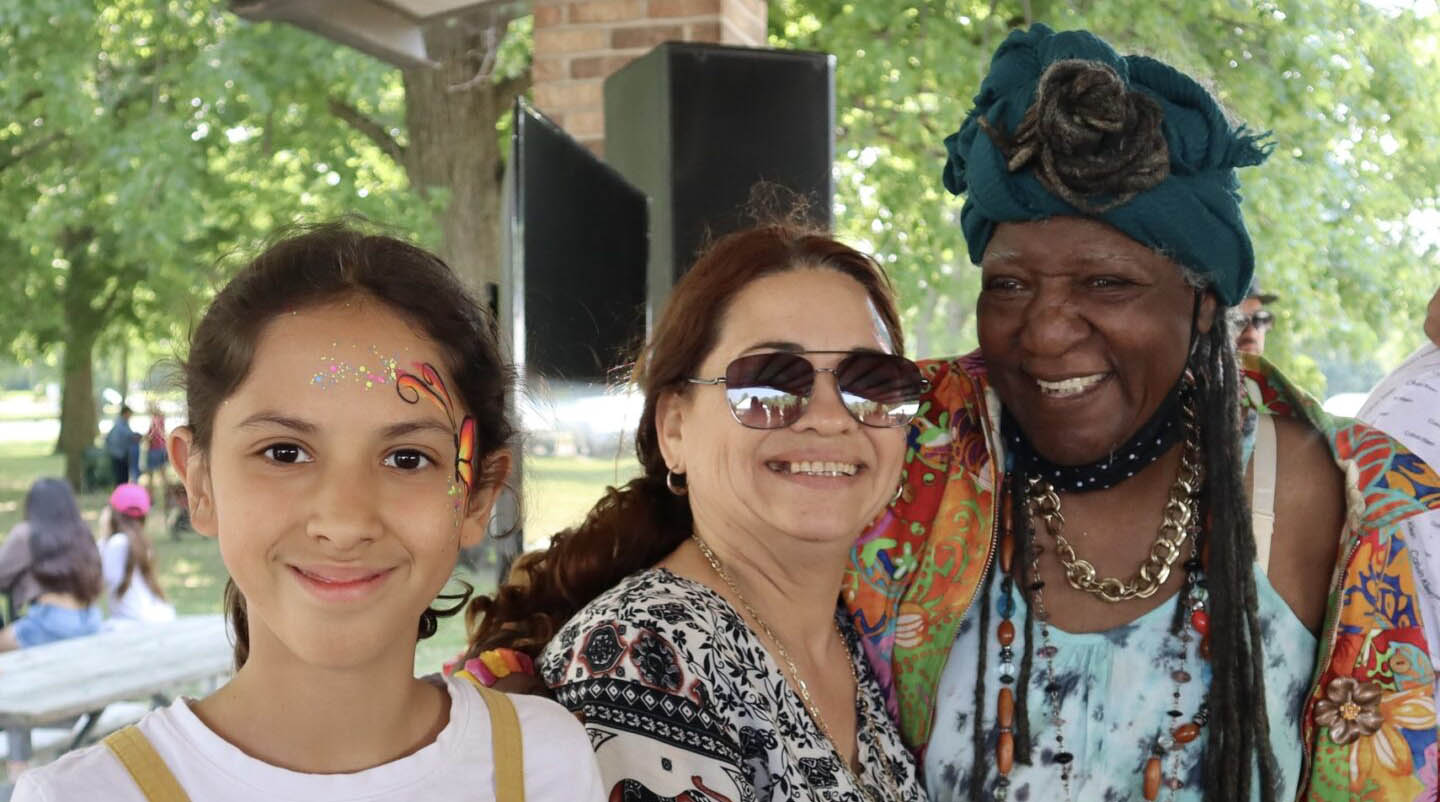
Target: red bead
point(1185, 733)
point(1005, 633)
point(1005, 709)
point(1152, 778)
point(1005, 752)
point(1200, 621)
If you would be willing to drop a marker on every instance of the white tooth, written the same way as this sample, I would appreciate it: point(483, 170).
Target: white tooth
point(1070, 386)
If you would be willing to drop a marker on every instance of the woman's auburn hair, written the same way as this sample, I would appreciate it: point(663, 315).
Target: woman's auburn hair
point(634, 526)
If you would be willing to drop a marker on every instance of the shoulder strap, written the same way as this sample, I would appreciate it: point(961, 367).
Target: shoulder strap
point(1262, 494)
point(505, 743)
point(133, 750)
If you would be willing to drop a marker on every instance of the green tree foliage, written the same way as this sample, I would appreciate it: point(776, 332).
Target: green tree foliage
point(142, 141)
point(1339, 213)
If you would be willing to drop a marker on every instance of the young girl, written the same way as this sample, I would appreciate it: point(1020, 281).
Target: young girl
point(50, 567)
point(127, 562)
point(347, 437)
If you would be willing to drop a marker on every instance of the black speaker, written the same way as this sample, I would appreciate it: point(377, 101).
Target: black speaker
point(572, 299)
point(695, 126)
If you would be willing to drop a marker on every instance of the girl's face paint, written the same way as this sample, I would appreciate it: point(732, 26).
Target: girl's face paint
point(369, 368)
point(428, 384)
point(336, 511)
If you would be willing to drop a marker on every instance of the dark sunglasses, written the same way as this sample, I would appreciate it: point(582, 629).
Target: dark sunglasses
point(1261, 320)
point(772, 390)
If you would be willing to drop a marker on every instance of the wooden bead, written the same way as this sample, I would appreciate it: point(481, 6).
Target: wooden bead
point(1005, 633)
point(1007, 548)
point(1152, 778)
point(1005, 752)
point(1185, 733)
point(1005, 709)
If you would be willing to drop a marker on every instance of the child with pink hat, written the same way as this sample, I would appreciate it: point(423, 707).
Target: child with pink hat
point(127, 560)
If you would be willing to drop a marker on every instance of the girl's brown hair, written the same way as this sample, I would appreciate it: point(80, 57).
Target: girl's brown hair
point(63, 557)
point(321, 265)
point(139, 552)
point(634, 526)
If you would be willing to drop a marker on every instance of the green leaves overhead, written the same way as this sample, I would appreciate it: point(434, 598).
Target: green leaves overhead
point(158, 137)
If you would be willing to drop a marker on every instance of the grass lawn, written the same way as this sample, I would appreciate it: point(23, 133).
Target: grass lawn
point(559, 491)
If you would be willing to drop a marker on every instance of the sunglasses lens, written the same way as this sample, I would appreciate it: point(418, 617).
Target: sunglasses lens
point(880, 389)
point(768, 391)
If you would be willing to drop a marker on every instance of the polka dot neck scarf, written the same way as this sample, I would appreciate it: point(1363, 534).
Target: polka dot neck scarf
point(1162, 431)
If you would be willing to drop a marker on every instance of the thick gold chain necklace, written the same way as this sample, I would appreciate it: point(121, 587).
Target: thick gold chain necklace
point(1174, 529)
point(794, 671)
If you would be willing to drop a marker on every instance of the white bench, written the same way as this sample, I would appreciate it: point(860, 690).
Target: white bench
point(57, 682)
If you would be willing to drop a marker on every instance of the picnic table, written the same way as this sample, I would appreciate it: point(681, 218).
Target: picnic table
point(59, 681)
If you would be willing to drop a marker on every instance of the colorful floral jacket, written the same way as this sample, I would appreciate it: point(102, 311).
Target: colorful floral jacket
point(1370, 722)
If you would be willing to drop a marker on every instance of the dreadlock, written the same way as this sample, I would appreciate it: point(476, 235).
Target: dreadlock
point(1239, 727)
point(1239, 722)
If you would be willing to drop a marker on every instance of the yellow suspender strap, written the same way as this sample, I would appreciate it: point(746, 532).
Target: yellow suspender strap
point(133, 750)
point(505, 743)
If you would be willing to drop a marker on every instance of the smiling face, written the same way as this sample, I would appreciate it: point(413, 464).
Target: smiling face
point(334, 498)
point(823, 477)
point(1084, 332)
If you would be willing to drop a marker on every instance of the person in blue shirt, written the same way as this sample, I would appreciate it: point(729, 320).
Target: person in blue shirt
point(118, 445)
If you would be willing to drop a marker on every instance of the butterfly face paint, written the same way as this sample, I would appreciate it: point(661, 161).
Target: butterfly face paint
point(429, 385)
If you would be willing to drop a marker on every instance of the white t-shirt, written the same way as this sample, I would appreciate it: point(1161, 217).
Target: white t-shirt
point(1406, 404)
point(139, 602)
point(559, 764)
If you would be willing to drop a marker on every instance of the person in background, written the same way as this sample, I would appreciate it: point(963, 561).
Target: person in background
point(127, 561)
point(1406, 403)
point(50, 563)
point(118, 443)
point(155, 456)
point(1251, 320)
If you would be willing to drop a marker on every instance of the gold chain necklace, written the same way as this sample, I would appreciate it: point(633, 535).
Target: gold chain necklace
point(790, 666)
point(1166, 549)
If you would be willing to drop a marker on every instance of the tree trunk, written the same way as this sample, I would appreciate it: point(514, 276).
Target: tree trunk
point(453, 144)
point(83, 324)
point(78, 416)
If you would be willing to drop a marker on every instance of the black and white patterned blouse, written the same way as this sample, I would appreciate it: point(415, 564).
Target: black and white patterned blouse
point(682, 702)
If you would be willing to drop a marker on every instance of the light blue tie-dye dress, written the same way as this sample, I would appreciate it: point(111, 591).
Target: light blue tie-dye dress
point(1116, 689)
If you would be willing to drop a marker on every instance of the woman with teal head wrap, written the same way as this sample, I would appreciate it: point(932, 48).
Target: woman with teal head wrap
point(1088, 588)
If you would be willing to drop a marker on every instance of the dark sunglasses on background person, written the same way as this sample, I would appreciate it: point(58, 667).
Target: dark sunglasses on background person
point(772, 390)
point(1261, 320)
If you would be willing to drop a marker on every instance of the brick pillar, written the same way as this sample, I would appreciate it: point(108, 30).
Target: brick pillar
point(579, 43)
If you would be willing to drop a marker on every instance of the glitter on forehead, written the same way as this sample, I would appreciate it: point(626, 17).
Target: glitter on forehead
point(369, 371)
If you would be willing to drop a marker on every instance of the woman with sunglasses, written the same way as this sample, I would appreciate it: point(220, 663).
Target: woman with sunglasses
point(1091, 587)
point(711, 659)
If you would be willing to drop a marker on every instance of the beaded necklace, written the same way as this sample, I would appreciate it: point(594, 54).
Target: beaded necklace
point(1171, 736)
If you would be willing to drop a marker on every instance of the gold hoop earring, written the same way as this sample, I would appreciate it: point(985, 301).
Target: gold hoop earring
point(670, 483)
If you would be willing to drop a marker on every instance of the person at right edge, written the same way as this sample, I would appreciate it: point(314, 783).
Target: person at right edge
point(1088, 588)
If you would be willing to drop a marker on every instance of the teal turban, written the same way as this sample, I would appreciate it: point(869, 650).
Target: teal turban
point(1064, 126)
